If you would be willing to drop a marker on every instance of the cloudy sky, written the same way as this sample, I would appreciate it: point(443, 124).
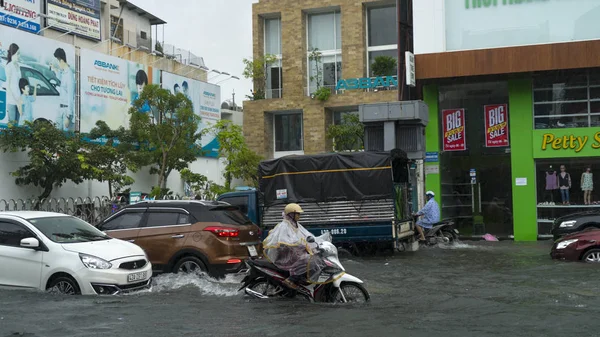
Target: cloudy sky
point(220, 31)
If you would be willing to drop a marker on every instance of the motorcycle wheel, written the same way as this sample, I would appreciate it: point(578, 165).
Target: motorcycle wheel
point(265, 288)
point(353, 293)
point(450, 236)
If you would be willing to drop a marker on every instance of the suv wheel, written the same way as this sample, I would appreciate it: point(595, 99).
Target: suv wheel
point(189, 264)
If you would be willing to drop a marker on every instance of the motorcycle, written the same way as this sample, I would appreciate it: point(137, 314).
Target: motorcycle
point(334, 285)
point(441, 232)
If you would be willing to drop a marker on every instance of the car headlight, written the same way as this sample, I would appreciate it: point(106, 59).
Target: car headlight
point(567, 224)
point(565, 244)
point(93, 262)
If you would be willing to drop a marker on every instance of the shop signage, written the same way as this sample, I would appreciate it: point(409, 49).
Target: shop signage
point(431, 157)
point(411, 77)
point(580, 142)
point(81, 17)
point(22, 13)
point(496, 125)
point(366, 83)
point(474, 4)
point(453, 127)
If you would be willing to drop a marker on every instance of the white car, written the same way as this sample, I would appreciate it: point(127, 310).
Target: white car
point(53, 251)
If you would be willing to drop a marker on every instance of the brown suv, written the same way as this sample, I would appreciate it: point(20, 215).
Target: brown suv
point(187, 236)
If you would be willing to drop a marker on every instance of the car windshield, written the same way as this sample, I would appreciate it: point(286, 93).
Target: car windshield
point(68, 229)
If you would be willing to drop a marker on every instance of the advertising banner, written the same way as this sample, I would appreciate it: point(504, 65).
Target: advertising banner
point(109, 86)
point(453, 127)
point(82, 17)
point(37, 80)
point(496, 125)
point(205, 99)
point(19, 12)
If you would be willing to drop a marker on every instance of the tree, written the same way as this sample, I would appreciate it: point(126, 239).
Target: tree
point(170, 144)
point(196, 181)
point(257, 71)
point(55, 157)
point(321, 93)
point(349, 134)
point(384, 66)
point(240, 161)
point(110, 162)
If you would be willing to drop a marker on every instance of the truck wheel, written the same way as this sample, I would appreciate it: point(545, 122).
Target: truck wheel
point(344, 253)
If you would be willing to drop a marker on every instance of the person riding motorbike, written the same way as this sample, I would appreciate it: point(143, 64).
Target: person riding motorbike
point(287, 248)
point(430, 213)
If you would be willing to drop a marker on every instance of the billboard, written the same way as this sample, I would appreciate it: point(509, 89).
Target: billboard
point(205, 99)
point(82, 17)
point(496, 125)
point(108, 88)
point(453, 127)
point(19, 12)
point(37, 80)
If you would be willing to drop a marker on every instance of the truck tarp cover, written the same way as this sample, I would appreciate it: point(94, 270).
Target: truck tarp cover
point(326, 177)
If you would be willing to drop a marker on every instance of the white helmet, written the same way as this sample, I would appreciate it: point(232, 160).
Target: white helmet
point(430, 193)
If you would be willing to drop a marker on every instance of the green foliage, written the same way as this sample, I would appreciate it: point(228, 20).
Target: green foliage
point(348, 135)
point(55, 157)
point(257, 71)
point(240, 161)
point(315, 57)
point(196, 181)
point(161, 193)
point(172, 143)
point(322, 94)
point(384, 66)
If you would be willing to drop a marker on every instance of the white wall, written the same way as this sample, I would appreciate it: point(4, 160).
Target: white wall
point(429, 26)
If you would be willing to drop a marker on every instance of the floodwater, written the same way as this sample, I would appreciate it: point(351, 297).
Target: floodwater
point(474, 289)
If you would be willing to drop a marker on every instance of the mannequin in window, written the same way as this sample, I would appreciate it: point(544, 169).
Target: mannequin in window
point(587, 185)
point(564, 184)
point(551, 182)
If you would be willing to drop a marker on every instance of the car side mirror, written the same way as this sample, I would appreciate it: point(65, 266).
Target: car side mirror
point(53, 82)
point(30, 243)
point(310, 239)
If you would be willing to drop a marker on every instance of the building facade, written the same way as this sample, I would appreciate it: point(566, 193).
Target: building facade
point(511, 88)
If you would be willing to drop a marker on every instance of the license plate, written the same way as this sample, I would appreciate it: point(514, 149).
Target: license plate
point(252, 251)
point(137, 276)
point(455, 231)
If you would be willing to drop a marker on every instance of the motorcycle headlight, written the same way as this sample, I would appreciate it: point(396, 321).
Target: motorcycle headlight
point(93, 262)
point(565, 244)
point(568, 224)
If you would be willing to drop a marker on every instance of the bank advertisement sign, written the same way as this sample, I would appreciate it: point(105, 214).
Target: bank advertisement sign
point(82, 17)
point(205, 99)
point(19, 13)
point(109, 87)
point(37, 80)
point(453, 128)
point(496, 125)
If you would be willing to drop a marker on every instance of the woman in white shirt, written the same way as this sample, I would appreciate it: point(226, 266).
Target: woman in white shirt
point(13, 93)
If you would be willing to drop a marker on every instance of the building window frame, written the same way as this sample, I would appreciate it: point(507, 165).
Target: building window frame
point(380, 48)
point(271, 92)
point(336, 53)
point(279, 154)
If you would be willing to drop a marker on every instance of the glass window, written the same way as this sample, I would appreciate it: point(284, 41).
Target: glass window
point(288, 132)
point(326, 73)
point(68, 229)
point(184, 219)
point(12, 234)
point(273, 36)
point(566, 99)
point(225, 215)
point(240, 202)
point(162, 219)
point(324, 31)
point(382, 26)
point(127, 220)
point(324, 34)
point(374, 54)
point(274, 80)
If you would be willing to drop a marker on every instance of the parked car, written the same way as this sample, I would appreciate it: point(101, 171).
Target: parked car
point(53, 251)
point(575, 222)
point(188, 236)
point(581, 246)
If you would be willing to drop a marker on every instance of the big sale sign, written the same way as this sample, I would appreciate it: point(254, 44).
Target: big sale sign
point(453, 127)
point(496, 125)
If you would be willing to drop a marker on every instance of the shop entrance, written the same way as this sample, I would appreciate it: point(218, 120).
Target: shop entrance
point(476, 181)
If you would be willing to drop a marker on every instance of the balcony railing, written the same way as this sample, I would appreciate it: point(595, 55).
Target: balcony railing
point(273, 93)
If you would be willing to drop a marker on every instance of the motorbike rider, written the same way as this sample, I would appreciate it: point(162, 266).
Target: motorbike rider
point(287, 248)
point(430, 213)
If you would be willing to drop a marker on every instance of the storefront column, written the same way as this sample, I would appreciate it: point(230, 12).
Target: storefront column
point(523, 167)
point(432, 141)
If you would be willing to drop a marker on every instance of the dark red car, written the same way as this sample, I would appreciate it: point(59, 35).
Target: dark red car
point(581, 246)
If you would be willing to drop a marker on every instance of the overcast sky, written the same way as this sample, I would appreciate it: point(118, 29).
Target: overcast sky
point(220, 31)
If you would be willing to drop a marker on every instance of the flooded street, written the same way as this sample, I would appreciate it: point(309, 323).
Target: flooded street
point(476, 289)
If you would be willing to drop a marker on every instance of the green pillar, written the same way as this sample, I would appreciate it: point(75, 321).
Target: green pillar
point(432, 139)
point(520, 97)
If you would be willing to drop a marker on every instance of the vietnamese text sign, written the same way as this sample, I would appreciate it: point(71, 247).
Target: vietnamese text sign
point(366, 83)
point(109, 86)
point(453, 128)
point(39, 80)
point(205, 98)
point(496, 125)
point(19, 12)
point(82, 17)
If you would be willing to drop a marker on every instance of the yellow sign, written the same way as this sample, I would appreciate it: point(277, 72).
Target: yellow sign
point(569, 142)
